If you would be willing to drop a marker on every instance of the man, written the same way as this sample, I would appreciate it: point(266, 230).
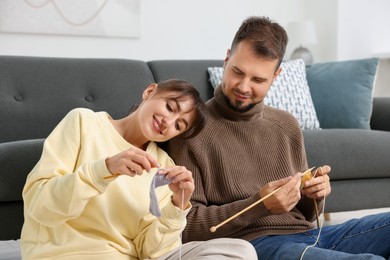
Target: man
point(248, 150)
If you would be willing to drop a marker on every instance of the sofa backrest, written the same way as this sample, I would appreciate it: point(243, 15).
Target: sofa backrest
point(36, 93)
point(194, 71)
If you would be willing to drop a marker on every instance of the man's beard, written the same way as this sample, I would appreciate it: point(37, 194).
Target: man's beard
point(238, 105)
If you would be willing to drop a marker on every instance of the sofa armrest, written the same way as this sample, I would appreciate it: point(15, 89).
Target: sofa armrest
point(360, 164)
point(380, 118)
point(17, 159)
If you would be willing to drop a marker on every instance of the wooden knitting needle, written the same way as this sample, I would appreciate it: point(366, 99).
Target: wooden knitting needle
point(316, 205)
point(308, 176)
point(111, 176)
point(117, 174)
point(317, 214)
point(315, 201)
point(214, 228)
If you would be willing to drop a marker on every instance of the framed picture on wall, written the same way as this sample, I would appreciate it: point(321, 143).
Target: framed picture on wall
point(100, 18)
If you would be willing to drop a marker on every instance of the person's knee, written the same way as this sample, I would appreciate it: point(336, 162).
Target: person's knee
point(250, 252)
point(242, 248)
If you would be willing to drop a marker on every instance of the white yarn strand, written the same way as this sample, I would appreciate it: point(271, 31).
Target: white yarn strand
point(182, 223)
point(320, 228)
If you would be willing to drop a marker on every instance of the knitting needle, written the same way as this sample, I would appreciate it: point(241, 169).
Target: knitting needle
point(214, 228)
point(110, 176)
point(116, 174)
point(317, 214)
point(315, 201)
point(307, 175)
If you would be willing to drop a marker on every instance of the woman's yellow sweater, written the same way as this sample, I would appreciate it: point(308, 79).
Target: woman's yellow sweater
point(72, 212)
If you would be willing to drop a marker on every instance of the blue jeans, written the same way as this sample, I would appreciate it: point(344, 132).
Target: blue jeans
point(364, 238)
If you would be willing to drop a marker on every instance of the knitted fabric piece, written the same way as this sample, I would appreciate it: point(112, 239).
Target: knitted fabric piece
point(158, 180)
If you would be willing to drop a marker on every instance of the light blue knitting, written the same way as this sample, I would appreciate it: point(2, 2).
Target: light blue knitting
point(158, 180)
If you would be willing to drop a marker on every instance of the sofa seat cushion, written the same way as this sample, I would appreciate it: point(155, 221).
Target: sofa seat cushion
point(351, 153)
point(10, 250)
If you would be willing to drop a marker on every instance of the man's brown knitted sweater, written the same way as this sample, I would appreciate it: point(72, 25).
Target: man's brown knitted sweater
point(231, 159)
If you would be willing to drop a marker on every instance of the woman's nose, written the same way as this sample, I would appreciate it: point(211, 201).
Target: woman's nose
point(168, 121)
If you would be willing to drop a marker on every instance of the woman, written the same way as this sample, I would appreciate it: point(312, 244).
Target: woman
point(88, 196)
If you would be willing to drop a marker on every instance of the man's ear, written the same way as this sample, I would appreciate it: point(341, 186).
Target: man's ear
point(226, 58)
point(277, 72)
point(149, 91)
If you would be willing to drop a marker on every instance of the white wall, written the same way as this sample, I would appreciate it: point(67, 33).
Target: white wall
point(203, 29)
point(363, 31)
point(179, 29)
point(350, 29)
point(324, 13)
point(170, 29)
point(353, 29)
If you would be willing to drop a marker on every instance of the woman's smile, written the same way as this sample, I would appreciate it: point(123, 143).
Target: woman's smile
point(156, 125)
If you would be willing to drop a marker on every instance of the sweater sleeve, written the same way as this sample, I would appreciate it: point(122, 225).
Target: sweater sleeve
point(161, 235)
point(56, 191)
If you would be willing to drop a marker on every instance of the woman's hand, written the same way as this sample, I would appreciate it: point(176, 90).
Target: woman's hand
point(182, 185)
point(131, 162)
point(319, 186)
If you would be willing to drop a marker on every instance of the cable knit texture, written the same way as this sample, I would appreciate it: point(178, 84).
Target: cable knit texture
point(236, 154)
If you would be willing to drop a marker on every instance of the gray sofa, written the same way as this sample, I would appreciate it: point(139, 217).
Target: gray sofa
point(36, 93)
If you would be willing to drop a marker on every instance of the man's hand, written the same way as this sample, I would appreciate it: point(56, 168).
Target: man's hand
point(319, 186)
point(286, 198)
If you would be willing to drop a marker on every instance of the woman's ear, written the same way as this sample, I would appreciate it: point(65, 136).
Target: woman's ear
point(149, 91)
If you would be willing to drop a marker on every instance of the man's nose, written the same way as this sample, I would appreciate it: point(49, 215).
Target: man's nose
point(244, 85)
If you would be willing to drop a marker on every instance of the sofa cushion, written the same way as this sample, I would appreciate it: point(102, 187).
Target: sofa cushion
point(289, 92)
point(10, 250)
point(194, 71)
point(342, 92)
point(38, 92)
point(380, 114)
point(353, 154)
